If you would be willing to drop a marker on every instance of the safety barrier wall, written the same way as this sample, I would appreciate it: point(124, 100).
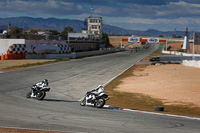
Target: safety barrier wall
point(5, 43)
point(177, 58)
point(97, 52)
point(13, 56)
point(39, 49)
point(19, 51)
point(71, 55)
point(193, 63)
point(179, 53)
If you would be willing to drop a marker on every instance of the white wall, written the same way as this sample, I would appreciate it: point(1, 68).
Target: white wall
point(179, 53)
point(5, 43)
point(192, 63)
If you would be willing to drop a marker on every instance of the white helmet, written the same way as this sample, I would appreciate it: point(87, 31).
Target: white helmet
point(100, 86)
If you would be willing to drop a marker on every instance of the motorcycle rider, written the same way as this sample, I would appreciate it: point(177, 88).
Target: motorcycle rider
point(96, 92)
point(39, 85)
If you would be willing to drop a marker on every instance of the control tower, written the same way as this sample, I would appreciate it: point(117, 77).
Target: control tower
point(94, 25)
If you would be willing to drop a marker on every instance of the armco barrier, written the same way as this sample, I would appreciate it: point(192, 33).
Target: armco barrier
point(91, 53)
point(71, 55)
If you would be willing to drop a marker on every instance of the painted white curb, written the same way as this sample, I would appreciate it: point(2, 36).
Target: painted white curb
point(153, 113)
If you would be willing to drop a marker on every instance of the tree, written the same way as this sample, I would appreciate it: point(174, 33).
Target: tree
point(16, 31)
point(65, 31)
point(105, 40)
point(54, 32)
point(33, 31)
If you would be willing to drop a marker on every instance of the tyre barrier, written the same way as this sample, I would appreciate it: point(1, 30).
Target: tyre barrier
point(158, 108)
point(17, 49)
point(39, 49)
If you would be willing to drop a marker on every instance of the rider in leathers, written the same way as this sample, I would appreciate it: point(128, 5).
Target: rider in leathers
point(40, 85)
point(96, 92)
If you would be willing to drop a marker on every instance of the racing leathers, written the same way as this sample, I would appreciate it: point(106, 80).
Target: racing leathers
point(39, 85)
point(96, 92)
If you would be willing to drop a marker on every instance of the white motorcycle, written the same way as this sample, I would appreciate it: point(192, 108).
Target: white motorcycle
point(38, 93)
point(98, 101)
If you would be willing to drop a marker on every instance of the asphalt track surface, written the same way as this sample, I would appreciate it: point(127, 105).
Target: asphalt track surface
point(60, 110)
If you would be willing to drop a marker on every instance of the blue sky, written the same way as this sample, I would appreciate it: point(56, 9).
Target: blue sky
point(163, 15)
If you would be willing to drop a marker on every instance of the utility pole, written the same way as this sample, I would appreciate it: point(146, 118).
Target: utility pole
point(91, 9)
point(23, 27)
point(8, 28)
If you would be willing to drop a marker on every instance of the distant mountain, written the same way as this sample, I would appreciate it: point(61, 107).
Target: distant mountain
point(77, 25)
point(49, 23)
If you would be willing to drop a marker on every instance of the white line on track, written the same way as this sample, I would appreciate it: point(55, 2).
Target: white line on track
point(153, 113)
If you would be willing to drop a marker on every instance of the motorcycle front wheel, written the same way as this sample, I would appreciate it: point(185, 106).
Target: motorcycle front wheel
point(83, 102)
point(40, 95)
point(99, 103)
point(29, 95)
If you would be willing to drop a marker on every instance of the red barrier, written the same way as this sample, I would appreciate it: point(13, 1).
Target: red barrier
point(13, 56)
point(143, 40)
point(7, 56)
point(2, 57)
point(124, 39)
point(162, 40)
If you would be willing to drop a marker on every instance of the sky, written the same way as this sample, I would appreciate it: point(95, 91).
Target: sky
point(163, 15)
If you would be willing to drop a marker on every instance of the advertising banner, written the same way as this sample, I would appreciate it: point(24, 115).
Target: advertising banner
point(153, 40)
point(133, 39)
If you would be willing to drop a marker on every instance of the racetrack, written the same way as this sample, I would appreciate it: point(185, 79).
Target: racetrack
point(69, 81)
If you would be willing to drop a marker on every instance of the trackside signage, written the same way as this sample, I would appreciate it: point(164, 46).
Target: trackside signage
point(133, 40)
point(153, 40)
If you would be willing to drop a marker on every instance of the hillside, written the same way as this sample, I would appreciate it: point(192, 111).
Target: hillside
point(77, 25)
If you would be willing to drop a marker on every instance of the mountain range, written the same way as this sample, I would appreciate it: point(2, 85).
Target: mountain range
point(77, 25)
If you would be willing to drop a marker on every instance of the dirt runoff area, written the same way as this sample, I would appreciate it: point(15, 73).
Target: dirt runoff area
point(172, 83)
point(8, 63)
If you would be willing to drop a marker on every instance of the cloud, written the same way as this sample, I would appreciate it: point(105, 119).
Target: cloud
point(111, 8)
point(138, 13)
point(48, 7)
point(163, 10)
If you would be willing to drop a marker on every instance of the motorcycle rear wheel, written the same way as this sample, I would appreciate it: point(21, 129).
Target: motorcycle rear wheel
point(40, 95)
point(99, 103)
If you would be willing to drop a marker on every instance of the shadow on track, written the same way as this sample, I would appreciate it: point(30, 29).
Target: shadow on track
point(57, 100)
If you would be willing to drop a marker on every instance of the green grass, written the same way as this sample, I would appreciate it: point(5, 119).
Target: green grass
point(37, 64)
point(143, 102)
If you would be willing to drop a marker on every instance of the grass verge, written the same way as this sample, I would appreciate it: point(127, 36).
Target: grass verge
point(143, 102)
point(36, 64)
